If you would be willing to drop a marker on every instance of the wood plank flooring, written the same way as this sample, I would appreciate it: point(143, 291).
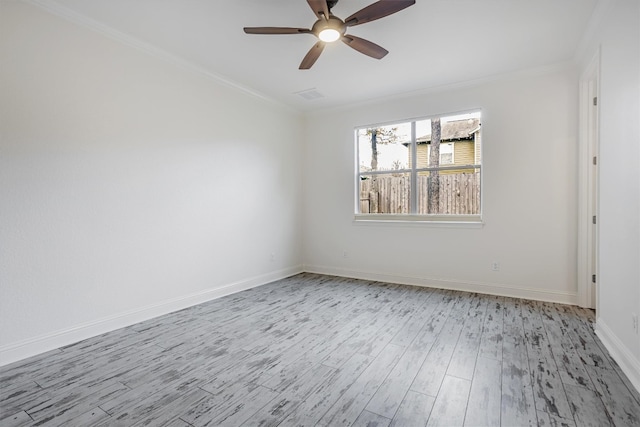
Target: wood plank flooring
point(316, 350)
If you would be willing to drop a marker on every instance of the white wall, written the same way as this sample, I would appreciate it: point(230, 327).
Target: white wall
point(529, 194)
point(618, 37)
point(128, 185)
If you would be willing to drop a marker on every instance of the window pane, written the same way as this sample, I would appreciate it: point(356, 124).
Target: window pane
point(385, 193)
point(423, 146)
point(459, 137)
point(449, 193)
point(384, 148)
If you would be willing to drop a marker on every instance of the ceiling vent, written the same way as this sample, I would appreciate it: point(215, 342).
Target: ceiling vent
point(309, 94)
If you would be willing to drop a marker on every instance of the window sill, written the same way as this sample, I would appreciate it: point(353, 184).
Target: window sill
point(445, 221)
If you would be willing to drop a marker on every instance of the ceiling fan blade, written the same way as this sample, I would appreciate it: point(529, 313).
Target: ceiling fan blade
point(365, 46)
point(320, 8)
point(275, 30)
point(377, 10)
point(312, 56)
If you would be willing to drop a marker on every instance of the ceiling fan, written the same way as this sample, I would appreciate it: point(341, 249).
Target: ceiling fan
point(329, 28)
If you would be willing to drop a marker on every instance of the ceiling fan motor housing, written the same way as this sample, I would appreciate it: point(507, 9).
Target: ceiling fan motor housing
point(332, 23)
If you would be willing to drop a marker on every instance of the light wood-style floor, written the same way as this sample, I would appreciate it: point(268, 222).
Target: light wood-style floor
point(318, 350)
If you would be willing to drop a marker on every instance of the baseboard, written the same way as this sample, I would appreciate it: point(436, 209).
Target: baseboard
point(30, 347)
point(482, 288)
point(629, 364)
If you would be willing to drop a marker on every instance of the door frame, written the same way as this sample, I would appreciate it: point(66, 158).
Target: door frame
point(588, 184)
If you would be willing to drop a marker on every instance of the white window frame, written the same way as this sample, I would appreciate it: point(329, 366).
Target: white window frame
point(443, 144)
point(442, 220)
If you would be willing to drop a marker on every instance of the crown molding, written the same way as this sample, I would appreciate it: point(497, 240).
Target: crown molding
point(599, 12)
point(450, 87)
point(72, 16)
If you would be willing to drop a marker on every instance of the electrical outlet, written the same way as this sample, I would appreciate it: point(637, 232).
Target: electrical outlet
point(495, 266)
point(345, 254)
point(273, 257)
point(634, 319)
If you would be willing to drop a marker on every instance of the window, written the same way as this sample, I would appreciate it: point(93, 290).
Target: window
point(428, 169)
point(446, 153)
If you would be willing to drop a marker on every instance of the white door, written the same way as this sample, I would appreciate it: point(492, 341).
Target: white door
point(588, 214)
point(593, 188)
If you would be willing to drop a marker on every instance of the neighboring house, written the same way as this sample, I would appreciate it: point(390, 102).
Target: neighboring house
point(460, 145)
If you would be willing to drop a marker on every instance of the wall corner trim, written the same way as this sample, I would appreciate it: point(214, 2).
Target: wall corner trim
point(629, 364)
point(14, 352)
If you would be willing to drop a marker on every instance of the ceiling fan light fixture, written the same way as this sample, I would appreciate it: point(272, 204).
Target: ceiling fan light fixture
point(328, 28)
point(329, 35)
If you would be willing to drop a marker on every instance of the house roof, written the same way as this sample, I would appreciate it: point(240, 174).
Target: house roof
point(455, 130)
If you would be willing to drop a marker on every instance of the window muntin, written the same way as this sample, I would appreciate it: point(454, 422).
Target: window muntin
point(398, 177)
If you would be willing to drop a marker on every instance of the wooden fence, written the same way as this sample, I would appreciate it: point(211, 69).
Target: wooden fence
point(459, 194)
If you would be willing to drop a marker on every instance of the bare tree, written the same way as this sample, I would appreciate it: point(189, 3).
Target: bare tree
point(378, 136)
point(434, 161)
point(374, 148)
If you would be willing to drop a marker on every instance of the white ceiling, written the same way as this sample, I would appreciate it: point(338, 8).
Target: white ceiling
point(432, 43)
